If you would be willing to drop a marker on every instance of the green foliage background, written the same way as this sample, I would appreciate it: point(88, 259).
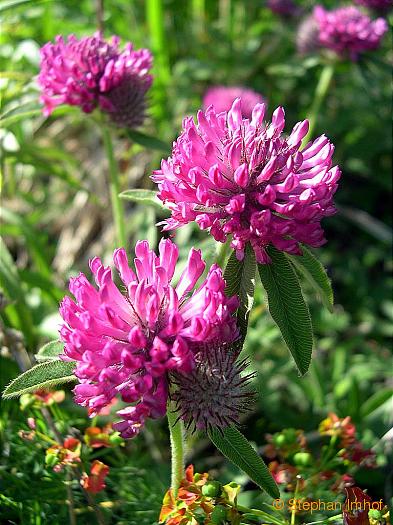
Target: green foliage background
point(55, 216)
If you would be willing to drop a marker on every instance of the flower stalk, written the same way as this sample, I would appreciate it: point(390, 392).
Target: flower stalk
point(114, 188)
point(321, 90)
point(176, 432)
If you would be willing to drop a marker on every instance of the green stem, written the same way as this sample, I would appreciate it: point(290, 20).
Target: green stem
point(319, 96)
point(114, 187)
point(176, 433)
point(293, 514)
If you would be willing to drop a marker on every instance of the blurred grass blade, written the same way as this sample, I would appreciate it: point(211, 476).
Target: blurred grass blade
point(5, 6)
point(20, 113)
point(148, 141)
point(32, 238)
point(309, 266)
point(287, 307)
point(10, 282)
point(375, 401)
point(44, 375)
point(237, 449)
point(50, 351)
point(18, 117)
point(366, 222)
point(155, 21)
point(240, 281)
point(148, 197)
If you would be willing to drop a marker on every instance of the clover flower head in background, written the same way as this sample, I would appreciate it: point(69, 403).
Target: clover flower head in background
point(378, 5)
point(283, 7)
point(214, 394)
point(222, 98)
point(307, 36)
point(125, 344)
point(243, 177)
point(92, 73)
point(348, 31)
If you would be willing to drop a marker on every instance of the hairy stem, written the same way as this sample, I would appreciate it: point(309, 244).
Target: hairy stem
point(114, 187)
point(319, 96)
point(176, 432)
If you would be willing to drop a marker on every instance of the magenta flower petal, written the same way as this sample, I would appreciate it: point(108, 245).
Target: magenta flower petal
point(125, 344)
point(242, 177)
point(91, 73)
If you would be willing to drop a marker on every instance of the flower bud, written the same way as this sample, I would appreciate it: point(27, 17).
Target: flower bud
point(213, 394)
point(211, 489)
point(302, 459)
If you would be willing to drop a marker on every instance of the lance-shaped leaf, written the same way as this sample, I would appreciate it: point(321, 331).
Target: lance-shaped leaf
point(148, 197)
point(147, 141)
point(44, 375)
point(50, 351)
point(240, 281)
point(237, 449)
point(314, 272)
point(287, 307)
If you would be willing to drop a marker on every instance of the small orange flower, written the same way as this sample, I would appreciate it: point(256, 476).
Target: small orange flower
point(190, 498)
point(96, 437)
point(342, 428)
point(283, 473)
point(95, 481)
point(60, 456)
point(47, 397)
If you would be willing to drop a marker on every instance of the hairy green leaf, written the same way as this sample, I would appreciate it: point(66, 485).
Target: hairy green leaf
point(44, 375)
point(50, 351)
point(148, 142)
point(287, 307)
point(309, 266)
point(148, 197)
point(237, 449)
point(240, 281)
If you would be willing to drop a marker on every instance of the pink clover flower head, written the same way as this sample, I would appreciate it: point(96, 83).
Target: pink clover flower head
point(222, 98)
point(378, 5)
point(125, 344)
point(307, 36)
point(348, 31)
point(243, 177)
point(283, 7)
point(92, 73)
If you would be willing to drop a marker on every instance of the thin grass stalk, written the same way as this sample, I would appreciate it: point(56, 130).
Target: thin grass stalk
point(198, 15)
